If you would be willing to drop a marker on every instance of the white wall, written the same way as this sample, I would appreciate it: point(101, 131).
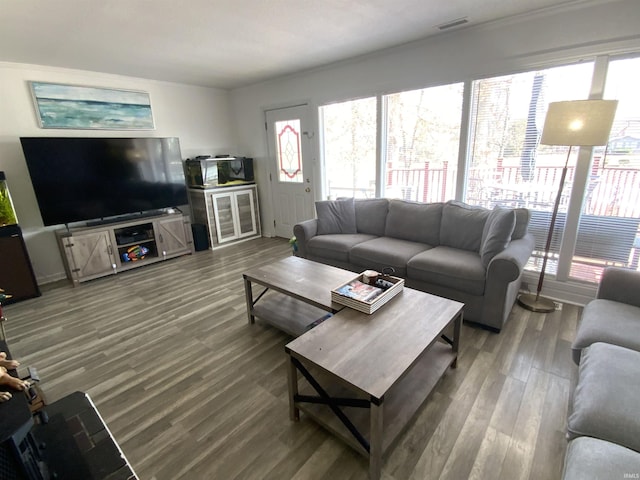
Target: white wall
point(549, 37)
point(198, 116)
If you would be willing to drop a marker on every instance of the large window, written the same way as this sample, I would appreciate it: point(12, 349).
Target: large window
point(608, 231)
point(422, 143)
point(418, 158)
point(507, 166)
point(349, 148)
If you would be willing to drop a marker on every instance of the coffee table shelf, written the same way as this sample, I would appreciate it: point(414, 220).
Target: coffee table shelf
point(288, 314)
point(400, 405)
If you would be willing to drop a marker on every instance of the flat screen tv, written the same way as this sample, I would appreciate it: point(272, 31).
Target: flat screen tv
point(85, 179)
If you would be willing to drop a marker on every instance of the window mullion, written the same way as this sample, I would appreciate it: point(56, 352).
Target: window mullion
point(381, 144)
point(465, 139)
point(580, 181)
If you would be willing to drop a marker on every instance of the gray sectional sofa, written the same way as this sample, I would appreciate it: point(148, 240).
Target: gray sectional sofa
point(469, 254)
point(604, 419)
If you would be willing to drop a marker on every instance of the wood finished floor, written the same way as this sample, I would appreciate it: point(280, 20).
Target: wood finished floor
point(191, 391)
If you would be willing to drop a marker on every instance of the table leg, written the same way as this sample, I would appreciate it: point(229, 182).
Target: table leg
point(457, 327)
point(292, 380)
point(248, 293)
point(375, 442)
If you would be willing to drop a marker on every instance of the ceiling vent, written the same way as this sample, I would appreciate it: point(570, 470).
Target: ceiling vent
point(453, 23)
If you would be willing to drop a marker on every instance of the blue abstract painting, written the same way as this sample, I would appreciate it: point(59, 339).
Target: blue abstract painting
point(78, 107)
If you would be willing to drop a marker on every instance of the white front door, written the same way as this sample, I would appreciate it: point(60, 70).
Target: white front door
point(290, 167)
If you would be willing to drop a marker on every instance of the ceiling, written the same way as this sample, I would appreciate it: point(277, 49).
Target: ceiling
point(227, 43)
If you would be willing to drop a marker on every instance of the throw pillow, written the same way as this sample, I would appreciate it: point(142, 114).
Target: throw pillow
point(336, 216)
point(522, 223)
point(497, 233)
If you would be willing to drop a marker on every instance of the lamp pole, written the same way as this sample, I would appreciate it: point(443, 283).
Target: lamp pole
point(534, 302)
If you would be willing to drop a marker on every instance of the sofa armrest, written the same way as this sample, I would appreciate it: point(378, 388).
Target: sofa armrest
point(305, 231)
point(508, 265)
point(620, 285)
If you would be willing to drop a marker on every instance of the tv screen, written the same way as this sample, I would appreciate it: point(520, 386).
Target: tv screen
point(80, 179)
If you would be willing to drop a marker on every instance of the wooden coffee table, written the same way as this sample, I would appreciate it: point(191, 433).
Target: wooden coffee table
point(365, 376)
point(296, 295)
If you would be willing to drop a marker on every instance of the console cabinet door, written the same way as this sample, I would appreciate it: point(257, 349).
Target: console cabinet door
point(235, 215)
point(90, 255)
point(245, 214)
point(224, 214)
point(173, 236)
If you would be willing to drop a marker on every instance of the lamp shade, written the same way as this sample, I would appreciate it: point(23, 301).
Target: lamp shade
point(579, 122)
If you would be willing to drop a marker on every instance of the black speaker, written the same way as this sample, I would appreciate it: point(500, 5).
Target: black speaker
point(200, 237)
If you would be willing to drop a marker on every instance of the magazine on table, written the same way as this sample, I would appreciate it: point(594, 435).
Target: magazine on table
point(359, 291)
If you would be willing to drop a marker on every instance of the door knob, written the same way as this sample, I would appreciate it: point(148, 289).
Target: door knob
point(307, 189)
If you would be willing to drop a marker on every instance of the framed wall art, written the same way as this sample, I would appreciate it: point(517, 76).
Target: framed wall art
point(80, 107)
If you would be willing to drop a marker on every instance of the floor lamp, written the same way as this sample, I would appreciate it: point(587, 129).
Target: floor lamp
point(584, 123)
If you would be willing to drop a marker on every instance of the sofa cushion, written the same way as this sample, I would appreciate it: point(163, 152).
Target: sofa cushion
point(335, 247)
point(605, 403)
point(336, 216)
point(523, 215)
point(449, 267)
point(607, 321)
point(594, 458)
point(414, 221)
point(496, 234)
point(462, 225)
point(384, 252)
point(371, 215)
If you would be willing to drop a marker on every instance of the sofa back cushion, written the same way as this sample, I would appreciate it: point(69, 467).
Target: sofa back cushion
point(371, 215)
point(496, 234)
point(336, 216)
point(414, 221)
point(462, 225)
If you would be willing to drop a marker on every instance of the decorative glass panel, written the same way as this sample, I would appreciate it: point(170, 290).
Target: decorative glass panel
point(288, 151)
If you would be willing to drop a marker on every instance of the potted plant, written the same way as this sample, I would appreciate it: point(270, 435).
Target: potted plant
point(293, 241)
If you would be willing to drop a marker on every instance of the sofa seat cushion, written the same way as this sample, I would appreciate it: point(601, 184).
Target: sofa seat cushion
point(605, 403)
point(449, 267)
point(594, 458)
point(384, 252)
point(610, 322)
point(336, 247)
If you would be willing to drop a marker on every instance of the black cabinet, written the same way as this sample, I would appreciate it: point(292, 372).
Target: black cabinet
point(66, 439)
point(16, 274)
